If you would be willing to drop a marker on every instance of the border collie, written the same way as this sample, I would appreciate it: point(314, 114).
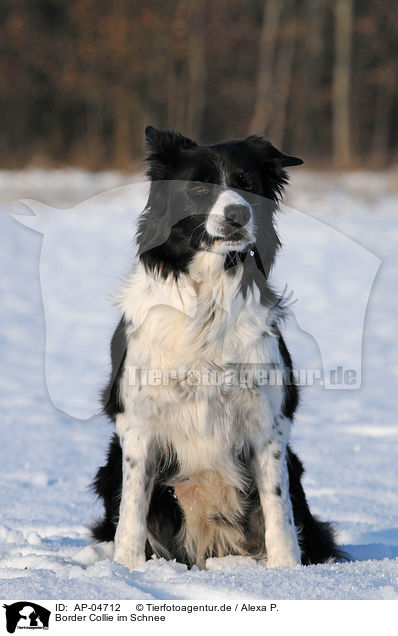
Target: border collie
point(200, 465)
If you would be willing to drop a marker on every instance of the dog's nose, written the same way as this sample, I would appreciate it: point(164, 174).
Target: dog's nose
point(237, 214)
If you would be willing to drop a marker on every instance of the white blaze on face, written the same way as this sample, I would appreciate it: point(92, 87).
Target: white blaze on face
point(215, 221)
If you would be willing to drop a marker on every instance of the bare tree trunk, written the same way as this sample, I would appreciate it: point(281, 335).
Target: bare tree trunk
point(283, 75)
point(177, 71)
point(266, 58)
point(341, 82)
point(121, 104)
point(171, 93)
point(196, 68)
point(93, 132)
point(121, 130)
point(176, 104)
point(316, 52)
point(379, 147)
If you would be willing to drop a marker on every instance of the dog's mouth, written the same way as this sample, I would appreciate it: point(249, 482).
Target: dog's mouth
point(237, 240)
point(223, 245)
point(232, 238)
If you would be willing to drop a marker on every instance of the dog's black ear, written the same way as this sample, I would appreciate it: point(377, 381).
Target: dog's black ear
point(166, 141)
point(164, 148)
point(271, 164)
point(268, 153)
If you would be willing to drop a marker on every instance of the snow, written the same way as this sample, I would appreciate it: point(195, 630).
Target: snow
point(348, 439)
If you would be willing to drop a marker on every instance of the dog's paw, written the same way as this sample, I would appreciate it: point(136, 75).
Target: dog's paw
point(283, 560)
point(130, 561)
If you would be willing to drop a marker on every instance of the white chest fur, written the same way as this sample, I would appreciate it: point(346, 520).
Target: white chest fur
point(192, 350)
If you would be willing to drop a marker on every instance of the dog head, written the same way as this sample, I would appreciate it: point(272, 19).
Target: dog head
point(220, 198)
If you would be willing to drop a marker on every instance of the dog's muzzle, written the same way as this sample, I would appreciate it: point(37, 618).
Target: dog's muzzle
point(231, 219)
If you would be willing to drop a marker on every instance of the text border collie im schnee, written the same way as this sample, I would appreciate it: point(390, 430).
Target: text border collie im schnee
point(195, 469)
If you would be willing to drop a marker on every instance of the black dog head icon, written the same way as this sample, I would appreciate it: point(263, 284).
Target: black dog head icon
point(26, 610)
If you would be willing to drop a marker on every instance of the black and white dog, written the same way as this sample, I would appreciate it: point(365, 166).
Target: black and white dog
point(200, 464)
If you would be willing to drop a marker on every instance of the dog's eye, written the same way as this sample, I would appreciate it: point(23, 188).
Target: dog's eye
point(243, 182)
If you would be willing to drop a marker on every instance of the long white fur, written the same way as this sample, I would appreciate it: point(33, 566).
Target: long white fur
point(202, 322)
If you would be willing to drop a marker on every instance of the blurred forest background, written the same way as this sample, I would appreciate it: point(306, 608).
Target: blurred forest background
point(80, 79)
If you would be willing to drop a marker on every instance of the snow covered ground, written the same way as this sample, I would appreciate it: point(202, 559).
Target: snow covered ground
point(348, 439)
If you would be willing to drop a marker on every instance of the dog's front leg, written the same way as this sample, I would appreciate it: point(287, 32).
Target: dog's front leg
point(131, 532)
point(270, 467)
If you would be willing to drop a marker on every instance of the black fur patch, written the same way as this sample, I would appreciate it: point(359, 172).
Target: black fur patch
point(290, 390)
point(317, 538)
point(130, 461)
point(277, 490)
point(108, 485)
point(111, 399)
